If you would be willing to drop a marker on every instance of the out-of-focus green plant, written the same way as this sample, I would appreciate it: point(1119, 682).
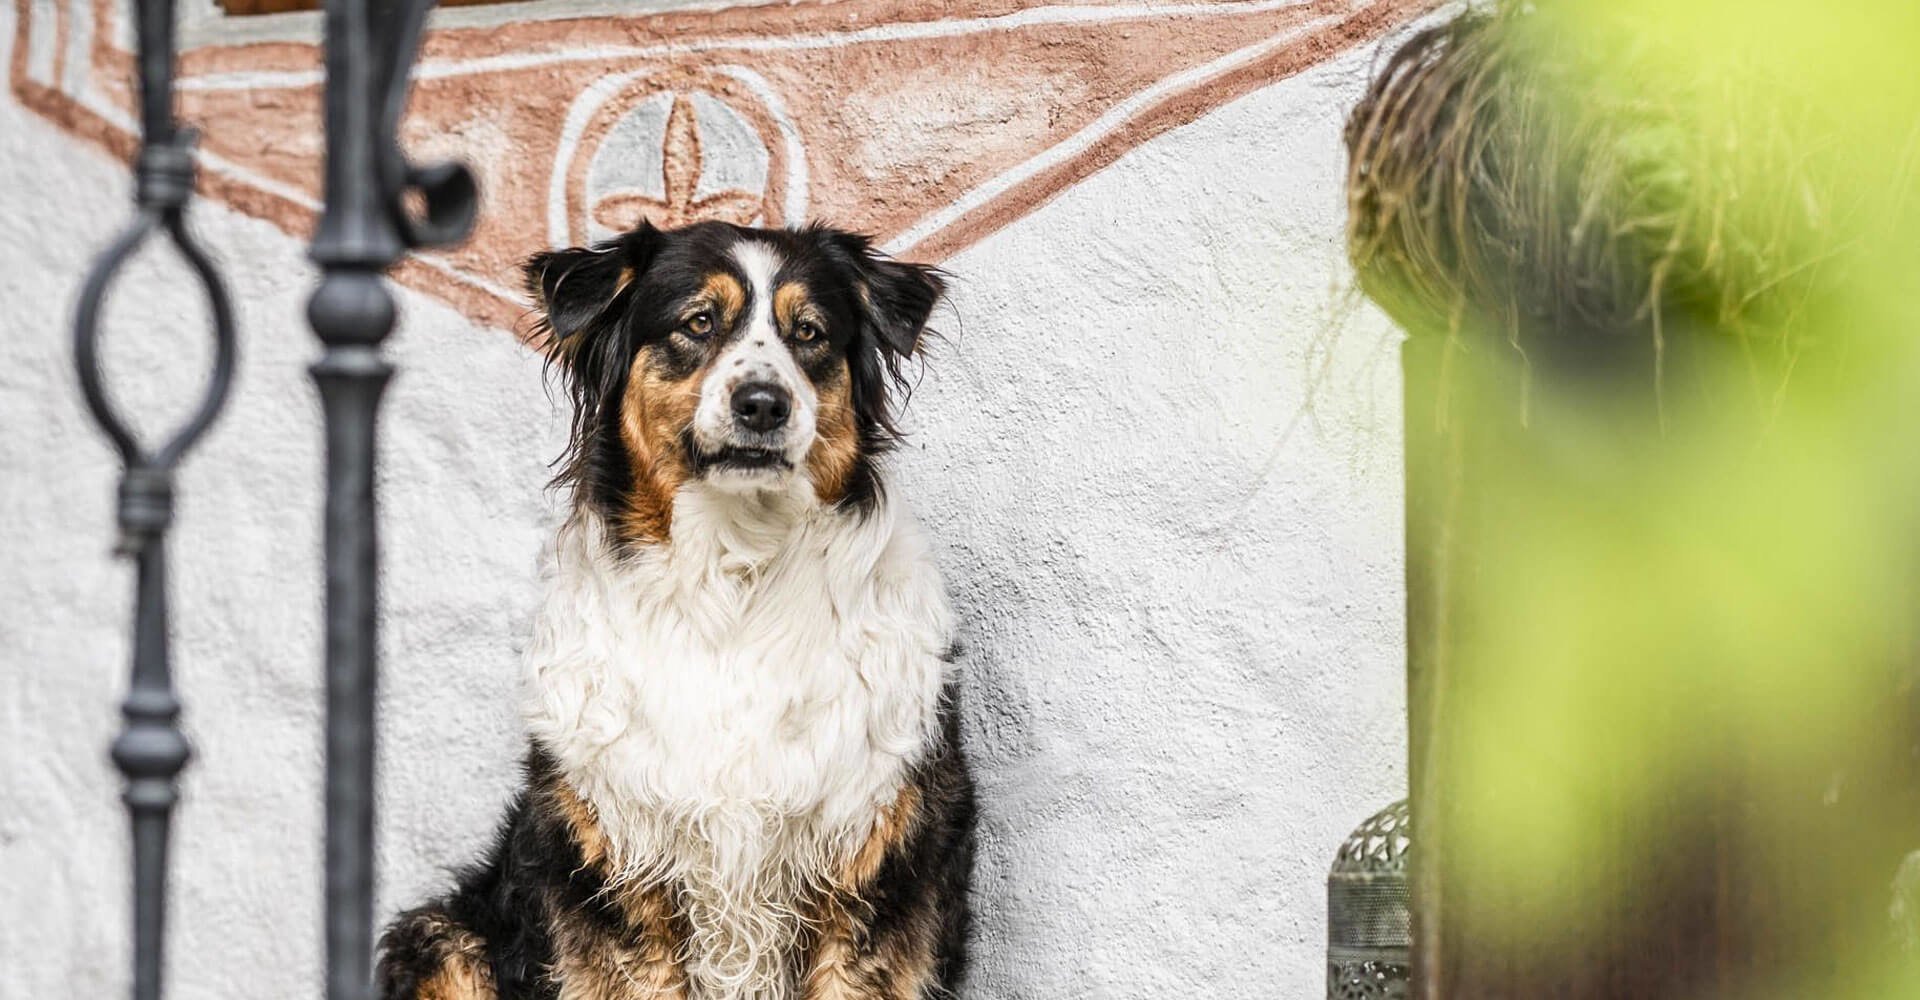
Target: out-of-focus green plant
point(1660, 260)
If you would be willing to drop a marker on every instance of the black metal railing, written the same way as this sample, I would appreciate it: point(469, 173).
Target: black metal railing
point(151, 751)
point(364, 230)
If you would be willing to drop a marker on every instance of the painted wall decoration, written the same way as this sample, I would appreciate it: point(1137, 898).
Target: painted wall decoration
point(928, 124)
point(1158, 449)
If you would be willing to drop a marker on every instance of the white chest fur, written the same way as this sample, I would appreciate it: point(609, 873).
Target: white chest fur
point(738, 705)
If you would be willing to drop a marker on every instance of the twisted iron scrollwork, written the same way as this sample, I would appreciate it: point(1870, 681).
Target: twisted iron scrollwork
point(151, 751)
point(365, 229)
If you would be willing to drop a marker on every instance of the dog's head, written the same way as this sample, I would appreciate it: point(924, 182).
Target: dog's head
point(744, 359)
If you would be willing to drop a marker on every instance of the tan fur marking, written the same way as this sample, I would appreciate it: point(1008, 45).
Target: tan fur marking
point(836, 443)
point(892, 826)
point(846, 963)
point(659, 951)
point(643, 964)
point(459, 979)
point(723, 292)
point(907, 957)
point(586, 827)
point(652, 415)
point(464, 973)
point(836, 971)
point(791, 304)
point(654, 412)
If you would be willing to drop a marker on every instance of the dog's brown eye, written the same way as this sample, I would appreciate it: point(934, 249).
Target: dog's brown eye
point(700, 324)
point(806, 330)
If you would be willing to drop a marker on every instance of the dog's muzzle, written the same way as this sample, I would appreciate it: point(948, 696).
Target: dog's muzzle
point(755, 421)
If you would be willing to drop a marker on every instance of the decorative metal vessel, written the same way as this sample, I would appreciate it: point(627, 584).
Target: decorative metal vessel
point(1369, 921)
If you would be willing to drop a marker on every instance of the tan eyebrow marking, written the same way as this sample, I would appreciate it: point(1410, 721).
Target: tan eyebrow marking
point(791, 304)
point(723, 290)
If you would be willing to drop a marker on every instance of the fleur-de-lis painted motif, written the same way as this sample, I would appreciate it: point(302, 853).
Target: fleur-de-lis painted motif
point(682, 162)
point(930, 138)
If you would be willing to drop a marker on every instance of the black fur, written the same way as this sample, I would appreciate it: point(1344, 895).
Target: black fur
point(531, 876)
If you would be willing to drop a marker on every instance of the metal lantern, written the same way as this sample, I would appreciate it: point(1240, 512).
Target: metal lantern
point(1369, 924)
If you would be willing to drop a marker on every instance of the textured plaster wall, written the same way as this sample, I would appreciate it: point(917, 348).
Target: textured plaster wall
point(1161, 462)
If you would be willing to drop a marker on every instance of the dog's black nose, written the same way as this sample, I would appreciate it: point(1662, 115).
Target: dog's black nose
point(761, 406)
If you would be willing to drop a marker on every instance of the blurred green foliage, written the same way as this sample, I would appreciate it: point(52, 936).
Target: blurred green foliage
point(1665, 452)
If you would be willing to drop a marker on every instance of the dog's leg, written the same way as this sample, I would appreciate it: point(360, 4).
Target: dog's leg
point(426, 955)
point(894, 927)
point(623, 947)
point(850, 962)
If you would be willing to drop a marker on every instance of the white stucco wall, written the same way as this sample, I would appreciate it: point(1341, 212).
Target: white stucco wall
point(1164, 479)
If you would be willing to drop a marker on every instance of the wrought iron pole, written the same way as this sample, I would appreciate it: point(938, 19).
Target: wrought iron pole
point(151, 751)
point(352, 312)
point(363, 231)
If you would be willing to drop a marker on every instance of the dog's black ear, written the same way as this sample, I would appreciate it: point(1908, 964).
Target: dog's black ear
point(582, 292)
point(896, 297)
point(579, 288)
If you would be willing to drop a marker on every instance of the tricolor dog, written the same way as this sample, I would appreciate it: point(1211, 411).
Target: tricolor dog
point(744, 779)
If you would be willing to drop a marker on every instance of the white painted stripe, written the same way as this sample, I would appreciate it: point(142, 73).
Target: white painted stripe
point(1100, 127)
point(210, 161)
point(559, 234)
point(79, 68)
point(233, 171)
point(125, 34)
point(447, 267)
point(221, 165)
point(204, 23)
point(893, 32)
point(43, 22)
point(795, 208)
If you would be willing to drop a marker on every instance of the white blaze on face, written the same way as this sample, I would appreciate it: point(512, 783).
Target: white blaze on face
point(757, 353)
